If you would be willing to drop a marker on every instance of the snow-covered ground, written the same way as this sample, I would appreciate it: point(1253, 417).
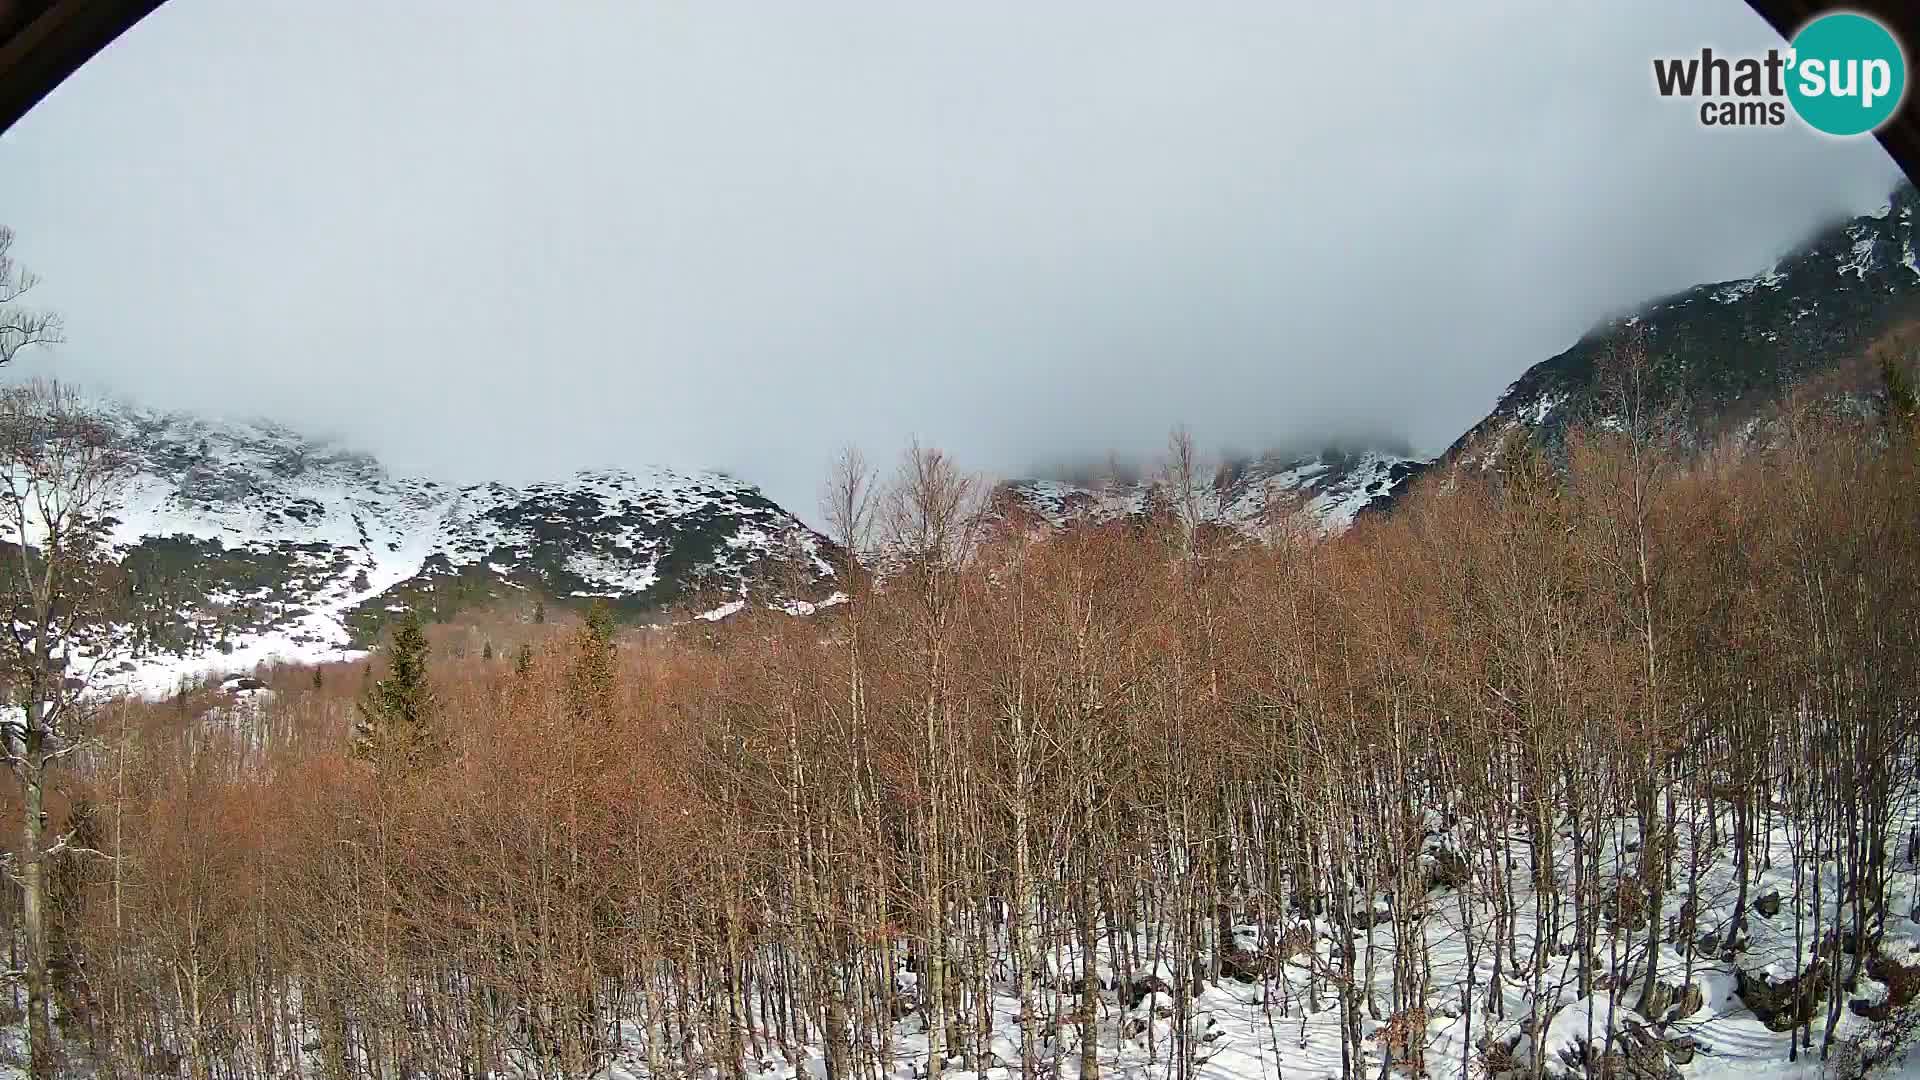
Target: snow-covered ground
point(1269, 1028)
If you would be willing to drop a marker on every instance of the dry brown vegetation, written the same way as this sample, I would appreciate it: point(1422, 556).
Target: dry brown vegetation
point(725, 848)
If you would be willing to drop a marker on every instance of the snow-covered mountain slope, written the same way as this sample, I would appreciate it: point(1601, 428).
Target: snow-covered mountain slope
point(246, 541)
point(1323, 493)
point(1722, 352)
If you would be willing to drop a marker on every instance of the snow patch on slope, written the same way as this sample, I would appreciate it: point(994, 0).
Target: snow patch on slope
point(347, 531)
point(1324, 494)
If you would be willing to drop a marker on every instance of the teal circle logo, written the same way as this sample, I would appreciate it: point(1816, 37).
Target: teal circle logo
point(1848, 74)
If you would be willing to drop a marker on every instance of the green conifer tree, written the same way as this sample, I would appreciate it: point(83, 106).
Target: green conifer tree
point(539, 611)
point(523, 660)
point(590, 682)
point(395, 726)
point(600, 623)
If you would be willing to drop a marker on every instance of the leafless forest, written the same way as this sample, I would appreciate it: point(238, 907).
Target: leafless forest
point(1526, 717)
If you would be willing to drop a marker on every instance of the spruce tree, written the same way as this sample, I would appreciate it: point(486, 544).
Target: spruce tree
point(523, 660)
point(590, 682)
point(318, 679)
point(395, 723)
point(486, 652)
point(600, 623)
point(539, 611)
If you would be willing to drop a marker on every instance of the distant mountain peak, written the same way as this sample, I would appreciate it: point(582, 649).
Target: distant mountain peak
point(1324, 492)
point(246, 541)
point(1722, 349)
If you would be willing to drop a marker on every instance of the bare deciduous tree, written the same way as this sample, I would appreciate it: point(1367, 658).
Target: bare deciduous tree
point(21, 327)
point(60, 474)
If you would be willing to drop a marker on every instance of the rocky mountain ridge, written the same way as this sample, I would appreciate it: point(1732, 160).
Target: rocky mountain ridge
point(247, 541)
point(1722, 353)
point(1322, 493)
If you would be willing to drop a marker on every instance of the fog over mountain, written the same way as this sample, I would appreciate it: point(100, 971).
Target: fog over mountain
point(734, 236)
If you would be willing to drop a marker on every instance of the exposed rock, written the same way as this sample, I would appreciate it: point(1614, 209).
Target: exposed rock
point(1648, 1056)
point(1768, 904)
point(1903, 986)
point(1782, 1005)
point(1577, 1044)
point(1658, 1001)
point(1496, 1055)
point(1141, 988)
point(1447, 869)
point(1243, 965)
point(1367, 918)
point(1670, 1002)
point(1638, 1053)
point(1714, 943)
point(1692, 1000)
point(1249, 966)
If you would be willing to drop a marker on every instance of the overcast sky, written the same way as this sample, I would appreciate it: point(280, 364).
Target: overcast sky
point(505, 241)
